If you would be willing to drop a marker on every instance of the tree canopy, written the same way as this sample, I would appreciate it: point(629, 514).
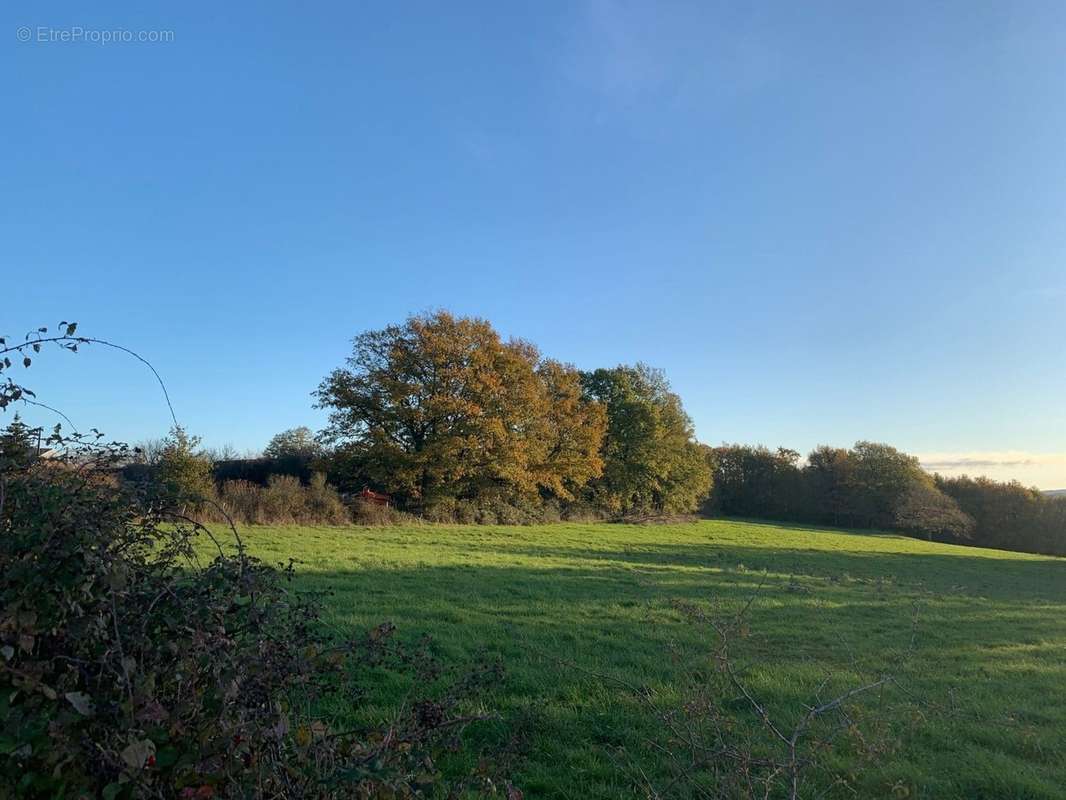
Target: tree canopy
point(298, 443)
point(651, 459)
point(441, 406)
point(870, 485)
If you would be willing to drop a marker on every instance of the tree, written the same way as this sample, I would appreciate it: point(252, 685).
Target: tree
point(829, 484)
point(573, 429)
point(442, 407)
point(184, 473)
point(18, 444)
point(925, 510)
point(651, 460)
point(878, 478)
point(149, 451)
point(758, 482)
point(221, 452)
point(295, 443)
point(1009, 515)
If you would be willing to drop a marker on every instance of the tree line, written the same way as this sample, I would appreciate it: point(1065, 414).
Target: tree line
point(445, 415)
point(876, 486)
point(457, 424)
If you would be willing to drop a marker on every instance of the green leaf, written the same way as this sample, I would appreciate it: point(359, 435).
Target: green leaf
point(166, 757)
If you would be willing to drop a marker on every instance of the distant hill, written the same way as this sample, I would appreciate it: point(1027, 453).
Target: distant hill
point(1056, 492)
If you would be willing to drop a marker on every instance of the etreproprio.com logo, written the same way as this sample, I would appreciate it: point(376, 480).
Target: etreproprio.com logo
point(45, 34)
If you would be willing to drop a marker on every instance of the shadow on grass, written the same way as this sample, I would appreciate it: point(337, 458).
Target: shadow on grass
point(807, 603)
point(949, 573)
point(989, 636)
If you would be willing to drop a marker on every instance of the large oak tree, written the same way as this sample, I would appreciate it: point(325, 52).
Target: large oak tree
point(440, 406)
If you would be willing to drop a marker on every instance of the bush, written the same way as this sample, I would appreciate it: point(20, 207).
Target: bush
point(364, 513)
point(516, 509)
point(494, 508)
point(129, 672)
point(242, 500)
point(443, 510)
point(465, 513)
point(323, 504)
point(549, 512)
point(282, 501)
point(583, 512)
point(184, 473)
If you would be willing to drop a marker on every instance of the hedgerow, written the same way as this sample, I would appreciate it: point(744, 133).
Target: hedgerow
point(131, 670)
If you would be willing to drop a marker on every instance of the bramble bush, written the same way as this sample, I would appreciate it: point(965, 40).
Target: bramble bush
point(283, 501)
point(130, 669)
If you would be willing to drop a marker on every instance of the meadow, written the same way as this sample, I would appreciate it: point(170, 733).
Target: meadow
point(975, 638)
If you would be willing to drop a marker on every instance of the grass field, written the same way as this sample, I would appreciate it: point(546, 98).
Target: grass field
point(989, 664)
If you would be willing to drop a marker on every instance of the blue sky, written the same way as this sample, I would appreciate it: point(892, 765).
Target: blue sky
point(826, 222)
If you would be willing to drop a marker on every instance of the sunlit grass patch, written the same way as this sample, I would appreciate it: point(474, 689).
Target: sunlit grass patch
point(978, 636)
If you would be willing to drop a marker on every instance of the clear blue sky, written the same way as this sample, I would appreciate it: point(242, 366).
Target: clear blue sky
point(826, 222)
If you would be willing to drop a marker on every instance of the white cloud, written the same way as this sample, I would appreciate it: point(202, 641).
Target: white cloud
point(993, 458)
point(1045, 470)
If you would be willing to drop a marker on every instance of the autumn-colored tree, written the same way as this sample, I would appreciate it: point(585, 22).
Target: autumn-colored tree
point(651, 460)
point(573, 431)
point(442, 407)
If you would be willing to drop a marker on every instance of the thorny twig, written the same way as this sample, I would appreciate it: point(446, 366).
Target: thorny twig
point(707, 749)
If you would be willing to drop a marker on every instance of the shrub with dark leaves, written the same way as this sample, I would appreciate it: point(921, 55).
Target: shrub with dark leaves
point(129, 669)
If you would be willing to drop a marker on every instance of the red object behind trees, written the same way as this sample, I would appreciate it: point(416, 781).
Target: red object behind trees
point(370, 496)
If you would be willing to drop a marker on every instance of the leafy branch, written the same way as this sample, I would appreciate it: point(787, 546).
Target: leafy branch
point(66, 339)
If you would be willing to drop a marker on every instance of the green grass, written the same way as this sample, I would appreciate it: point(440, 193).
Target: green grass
point(990, 659)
